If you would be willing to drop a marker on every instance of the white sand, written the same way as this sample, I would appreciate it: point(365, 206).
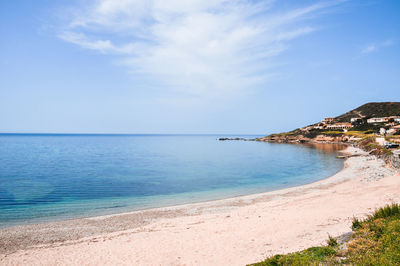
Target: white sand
point(228, 232)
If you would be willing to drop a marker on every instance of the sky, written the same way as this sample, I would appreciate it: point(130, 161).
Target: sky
point(192, 66)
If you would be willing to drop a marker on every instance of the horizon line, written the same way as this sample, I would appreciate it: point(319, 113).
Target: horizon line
point(127, 134)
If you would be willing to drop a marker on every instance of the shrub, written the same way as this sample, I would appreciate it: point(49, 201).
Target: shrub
point(355, 224)
point(310, 256)
point(332, 242)
point(387, 211)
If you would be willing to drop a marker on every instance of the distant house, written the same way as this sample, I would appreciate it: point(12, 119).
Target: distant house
point(383, 119)
point(395, 118)
point(344, 125)
point(328, 120)
point(377, 120)
point(390, 124)
point(319, 127)
point(356, 120)
point(306, 128)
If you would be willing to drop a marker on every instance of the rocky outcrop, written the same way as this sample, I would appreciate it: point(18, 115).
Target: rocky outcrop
point(244, 139)
point(282, 138)
point(392, 160)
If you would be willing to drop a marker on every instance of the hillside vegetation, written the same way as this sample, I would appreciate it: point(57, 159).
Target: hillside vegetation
point(374, 241)
point(375, 109)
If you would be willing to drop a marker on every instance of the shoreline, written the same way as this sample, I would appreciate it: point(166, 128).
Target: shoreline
point(35, 241)
point(315, 145)
point(175, 207)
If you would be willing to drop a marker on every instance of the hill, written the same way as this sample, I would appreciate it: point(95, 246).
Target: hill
point(333, 130)
point(374, 109)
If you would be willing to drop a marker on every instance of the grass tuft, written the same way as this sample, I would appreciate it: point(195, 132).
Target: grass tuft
point(332, 242)
point(355, 224)
point(315, 255)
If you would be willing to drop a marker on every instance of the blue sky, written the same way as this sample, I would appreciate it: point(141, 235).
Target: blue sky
point(243, 67)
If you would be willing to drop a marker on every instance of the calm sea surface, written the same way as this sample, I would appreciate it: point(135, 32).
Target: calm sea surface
point(52, 177)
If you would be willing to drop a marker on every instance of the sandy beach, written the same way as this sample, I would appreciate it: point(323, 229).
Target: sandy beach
point(234, 231)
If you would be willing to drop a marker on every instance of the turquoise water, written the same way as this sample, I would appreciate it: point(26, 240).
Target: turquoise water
point(52, 177)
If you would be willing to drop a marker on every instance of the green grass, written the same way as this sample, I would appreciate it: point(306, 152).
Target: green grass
point(310, 256)
point(335, 133)
point(387, 211)
point(359, 134)
point(375, 241)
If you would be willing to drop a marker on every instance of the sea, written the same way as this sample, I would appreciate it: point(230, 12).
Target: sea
point(51, 177)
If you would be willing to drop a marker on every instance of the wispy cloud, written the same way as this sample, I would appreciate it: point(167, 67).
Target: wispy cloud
point(373, 47)
point(193, 47)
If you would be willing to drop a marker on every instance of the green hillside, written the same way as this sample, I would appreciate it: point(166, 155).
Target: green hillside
point(376, 109)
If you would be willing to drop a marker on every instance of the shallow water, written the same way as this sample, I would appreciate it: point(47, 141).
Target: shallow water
point(52, 177)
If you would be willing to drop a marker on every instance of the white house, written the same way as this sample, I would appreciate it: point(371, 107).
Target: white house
point(377, 120)
point(340, 126)
point(319, 127)
point(355, 119)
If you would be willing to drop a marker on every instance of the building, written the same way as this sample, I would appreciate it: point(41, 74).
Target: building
point(395, 118)
point(390, 124)
point(344, 125)
point(328, 120)
point(383, 119)
point(306, 128)
point(355, 120)
point(378, 120)
point(319, 127)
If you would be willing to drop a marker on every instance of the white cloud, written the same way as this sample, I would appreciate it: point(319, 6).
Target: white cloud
point(373, 47)
point(369, 49)
point(194, 47)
